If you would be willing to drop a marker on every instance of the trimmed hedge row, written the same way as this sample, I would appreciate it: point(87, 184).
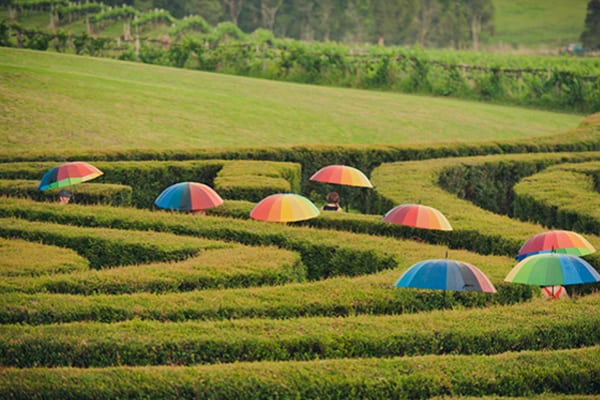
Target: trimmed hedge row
point(509, 374)
point(321, 253)
point(312, 158)
point(238, 180)
point(474, 228)
point(344, 252)
point(109, 247)
point(147, 179)
point(535, 326)
point(223, 268)
point(19, 258)
point(89, 193)
point(564, 196)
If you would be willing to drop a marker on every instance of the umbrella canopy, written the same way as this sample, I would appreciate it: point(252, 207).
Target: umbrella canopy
point(552, 269)
point(341, 175)
point(284, 207)
point(557, 241)
point(444, 274)
point(188, 196)
point(68, 174)
point(418, 216)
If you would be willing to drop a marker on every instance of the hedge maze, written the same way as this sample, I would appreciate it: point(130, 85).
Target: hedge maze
point(111, 298)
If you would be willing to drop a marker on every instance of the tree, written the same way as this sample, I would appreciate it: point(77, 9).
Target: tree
point(427, 17)
point(392, 17)
point(481, 14)
point(453, 28)
point(235, 8)
point(590, 38)
point(268, 10)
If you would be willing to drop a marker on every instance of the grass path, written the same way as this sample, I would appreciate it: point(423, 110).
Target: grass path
point(55, 101)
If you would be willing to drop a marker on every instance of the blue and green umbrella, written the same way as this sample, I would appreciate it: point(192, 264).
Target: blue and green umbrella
point(67, 174)
point(550, 269)
point(188, 196)
point(445, 274)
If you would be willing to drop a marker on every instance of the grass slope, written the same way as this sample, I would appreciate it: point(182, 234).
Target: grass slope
point(56, 101)
point(536, 23)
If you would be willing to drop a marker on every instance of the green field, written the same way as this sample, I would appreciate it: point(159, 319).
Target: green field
point(55, 101)
point(551, 24)
point(99, 301)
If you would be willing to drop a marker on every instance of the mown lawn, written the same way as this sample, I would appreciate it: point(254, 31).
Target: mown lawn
point(56, 101)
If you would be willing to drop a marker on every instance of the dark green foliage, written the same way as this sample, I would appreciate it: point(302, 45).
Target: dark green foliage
point(103, 248)
point(590, 37)
point(90, 193)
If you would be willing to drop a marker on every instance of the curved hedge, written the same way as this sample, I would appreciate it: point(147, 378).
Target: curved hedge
point(19, 258)
point(322, 253)
point(108, 247)
point(509, 374)
point(234, 266)
point(89, 193)
point(564, 196)
point(535, 326)
point(250, 180)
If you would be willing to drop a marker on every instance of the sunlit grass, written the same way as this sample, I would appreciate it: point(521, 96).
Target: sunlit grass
point(56, 101)
point(539, 23)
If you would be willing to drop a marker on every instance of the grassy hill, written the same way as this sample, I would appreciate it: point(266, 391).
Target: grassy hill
point(538, 23)
point(56, 101)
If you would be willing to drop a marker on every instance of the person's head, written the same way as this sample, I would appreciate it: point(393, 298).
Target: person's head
point(64, 196)
point(333, 198)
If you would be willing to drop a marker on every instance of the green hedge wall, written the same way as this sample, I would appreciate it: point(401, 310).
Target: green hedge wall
point(21, 259)
point(224, 268)
point(108, 247)
point(511, 374)
point(535, 326)
point(250, 180)
point(564, 196)
point(345, 253)
point(88, 193)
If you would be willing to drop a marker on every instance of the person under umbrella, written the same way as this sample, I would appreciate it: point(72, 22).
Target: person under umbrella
point(333, 202)
point(64, 196)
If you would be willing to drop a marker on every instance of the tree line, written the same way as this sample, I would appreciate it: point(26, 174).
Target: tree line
point(429, 23)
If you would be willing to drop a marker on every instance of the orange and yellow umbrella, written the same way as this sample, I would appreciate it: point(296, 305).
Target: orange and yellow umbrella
point(341, 175)
point(418, 216)
point(284, 207)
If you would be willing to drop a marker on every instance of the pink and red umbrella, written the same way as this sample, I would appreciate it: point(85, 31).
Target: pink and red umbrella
point(188, 196)
point(284, 207)
point(556, 241)
point(341, 175)
point(68, 174)
point(418, 216)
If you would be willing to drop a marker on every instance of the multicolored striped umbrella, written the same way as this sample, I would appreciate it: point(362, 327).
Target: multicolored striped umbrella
point(418, 216)
point(188, 196)
point(553, 269)
point(284, 207)
point(68, 174)
point(341, 175)
point(444, 274)
point(557, 241)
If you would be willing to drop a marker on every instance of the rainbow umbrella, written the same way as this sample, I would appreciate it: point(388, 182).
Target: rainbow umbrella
point(284, 207)
point(341, 175)
point(68, 174)
point(557, 241)
point(550, 269)
point(418, 216)
point(444, 274)
point(188, 196)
